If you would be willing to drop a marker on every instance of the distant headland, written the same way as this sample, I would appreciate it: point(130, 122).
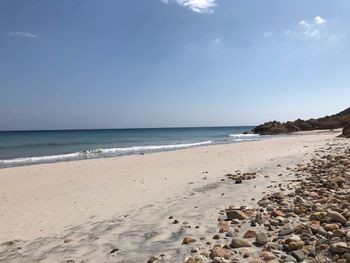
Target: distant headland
point(336, 121)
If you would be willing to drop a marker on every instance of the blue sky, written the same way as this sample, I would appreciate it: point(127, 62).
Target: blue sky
point(157, 63)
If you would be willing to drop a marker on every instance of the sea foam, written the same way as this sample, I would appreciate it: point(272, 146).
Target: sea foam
point(94, 153)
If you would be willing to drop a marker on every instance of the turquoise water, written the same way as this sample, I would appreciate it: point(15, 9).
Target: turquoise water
point(29, 147)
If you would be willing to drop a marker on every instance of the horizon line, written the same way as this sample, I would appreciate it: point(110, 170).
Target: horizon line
point(128, 128)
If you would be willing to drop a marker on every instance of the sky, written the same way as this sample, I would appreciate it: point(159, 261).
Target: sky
point(75, 64)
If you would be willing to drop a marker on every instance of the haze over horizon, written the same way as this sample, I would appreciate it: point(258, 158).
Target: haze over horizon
point(171, 63)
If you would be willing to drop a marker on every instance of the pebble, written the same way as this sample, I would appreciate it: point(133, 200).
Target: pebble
point(237, 243)
point(261, 239)
point(188, 240)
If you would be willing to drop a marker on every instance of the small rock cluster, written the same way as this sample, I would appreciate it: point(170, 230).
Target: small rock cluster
point(238, 177)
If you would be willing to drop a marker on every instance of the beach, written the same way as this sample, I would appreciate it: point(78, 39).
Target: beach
point(123, 209)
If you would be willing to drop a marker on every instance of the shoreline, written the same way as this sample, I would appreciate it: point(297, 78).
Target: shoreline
point(62, 158)
point(77, 159)
point(51, 201)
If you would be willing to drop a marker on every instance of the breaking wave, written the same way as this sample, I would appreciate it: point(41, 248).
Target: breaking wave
point(244, 135)
point(103, 152)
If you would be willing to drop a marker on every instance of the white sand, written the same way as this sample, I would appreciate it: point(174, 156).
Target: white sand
point(88, 200)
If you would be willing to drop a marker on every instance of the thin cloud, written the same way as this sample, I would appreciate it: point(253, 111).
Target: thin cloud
point(22, 34)
point(310, 29)
point(198, 6)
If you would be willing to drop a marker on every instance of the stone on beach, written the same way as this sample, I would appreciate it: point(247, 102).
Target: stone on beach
point(336, 217)
point(236, 214)
point(237, 243)
point(249, 234)
point(188, 240)
point(220, 252)
point(261, 239)
point(299, 255)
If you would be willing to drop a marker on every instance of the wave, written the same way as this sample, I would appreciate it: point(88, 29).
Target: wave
point(153, 147)
point(98, 152)
point(239, 135)
point(246, 140)
point(39, 159)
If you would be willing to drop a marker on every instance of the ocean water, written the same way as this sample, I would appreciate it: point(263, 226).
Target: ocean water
point(31, 147)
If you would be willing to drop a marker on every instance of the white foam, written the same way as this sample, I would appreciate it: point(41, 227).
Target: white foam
point(97, 152)
point(246, 140)
point(153, 147)
point(244, 135)
point(37, 159)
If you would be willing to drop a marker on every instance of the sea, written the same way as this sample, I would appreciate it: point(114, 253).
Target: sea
point(19, 148)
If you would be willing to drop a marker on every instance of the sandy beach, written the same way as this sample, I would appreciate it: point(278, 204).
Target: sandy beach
point(118, 209)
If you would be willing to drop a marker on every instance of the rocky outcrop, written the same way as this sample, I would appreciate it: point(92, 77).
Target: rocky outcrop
point(346, 131)
point(336, 121)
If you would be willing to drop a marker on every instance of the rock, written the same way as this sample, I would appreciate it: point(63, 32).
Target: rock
point(153, 259)
point(286, 231)
point(267, 256)
point(204, 253)
point(238, 181)
point(237, 243)
point(276, 213)
point(114, 250)
point(235, 222)
point(220, 252)
point(292, 238)
point(217, 236)
point(299, 255)
point(68, 240)
point(346, 131)
point(261, 239)
point(249, 234)
point(224, 226)
point(340, 247)
point(317, 216)
point(188, 240)
point(330, 227)
point(295, 245)
point(236, 214)
point(198, 259)
point(288, 258)
point(315, 226)
point(339, 233)
point(231, 234)
point(336, 217)
point(220, 260)
point(339, 120)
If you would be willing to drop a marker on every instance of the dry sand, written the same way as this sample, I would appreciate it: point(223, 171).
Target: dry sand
point(84, 210)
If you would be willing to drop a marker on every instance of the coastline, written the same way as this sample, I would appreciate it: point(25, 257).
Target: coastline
point(38, 147)
point(56, 201)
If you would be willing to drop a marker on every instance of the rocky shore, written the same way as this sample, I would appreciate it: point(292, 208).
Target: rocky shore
point(303, 222)
point(339, 120)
